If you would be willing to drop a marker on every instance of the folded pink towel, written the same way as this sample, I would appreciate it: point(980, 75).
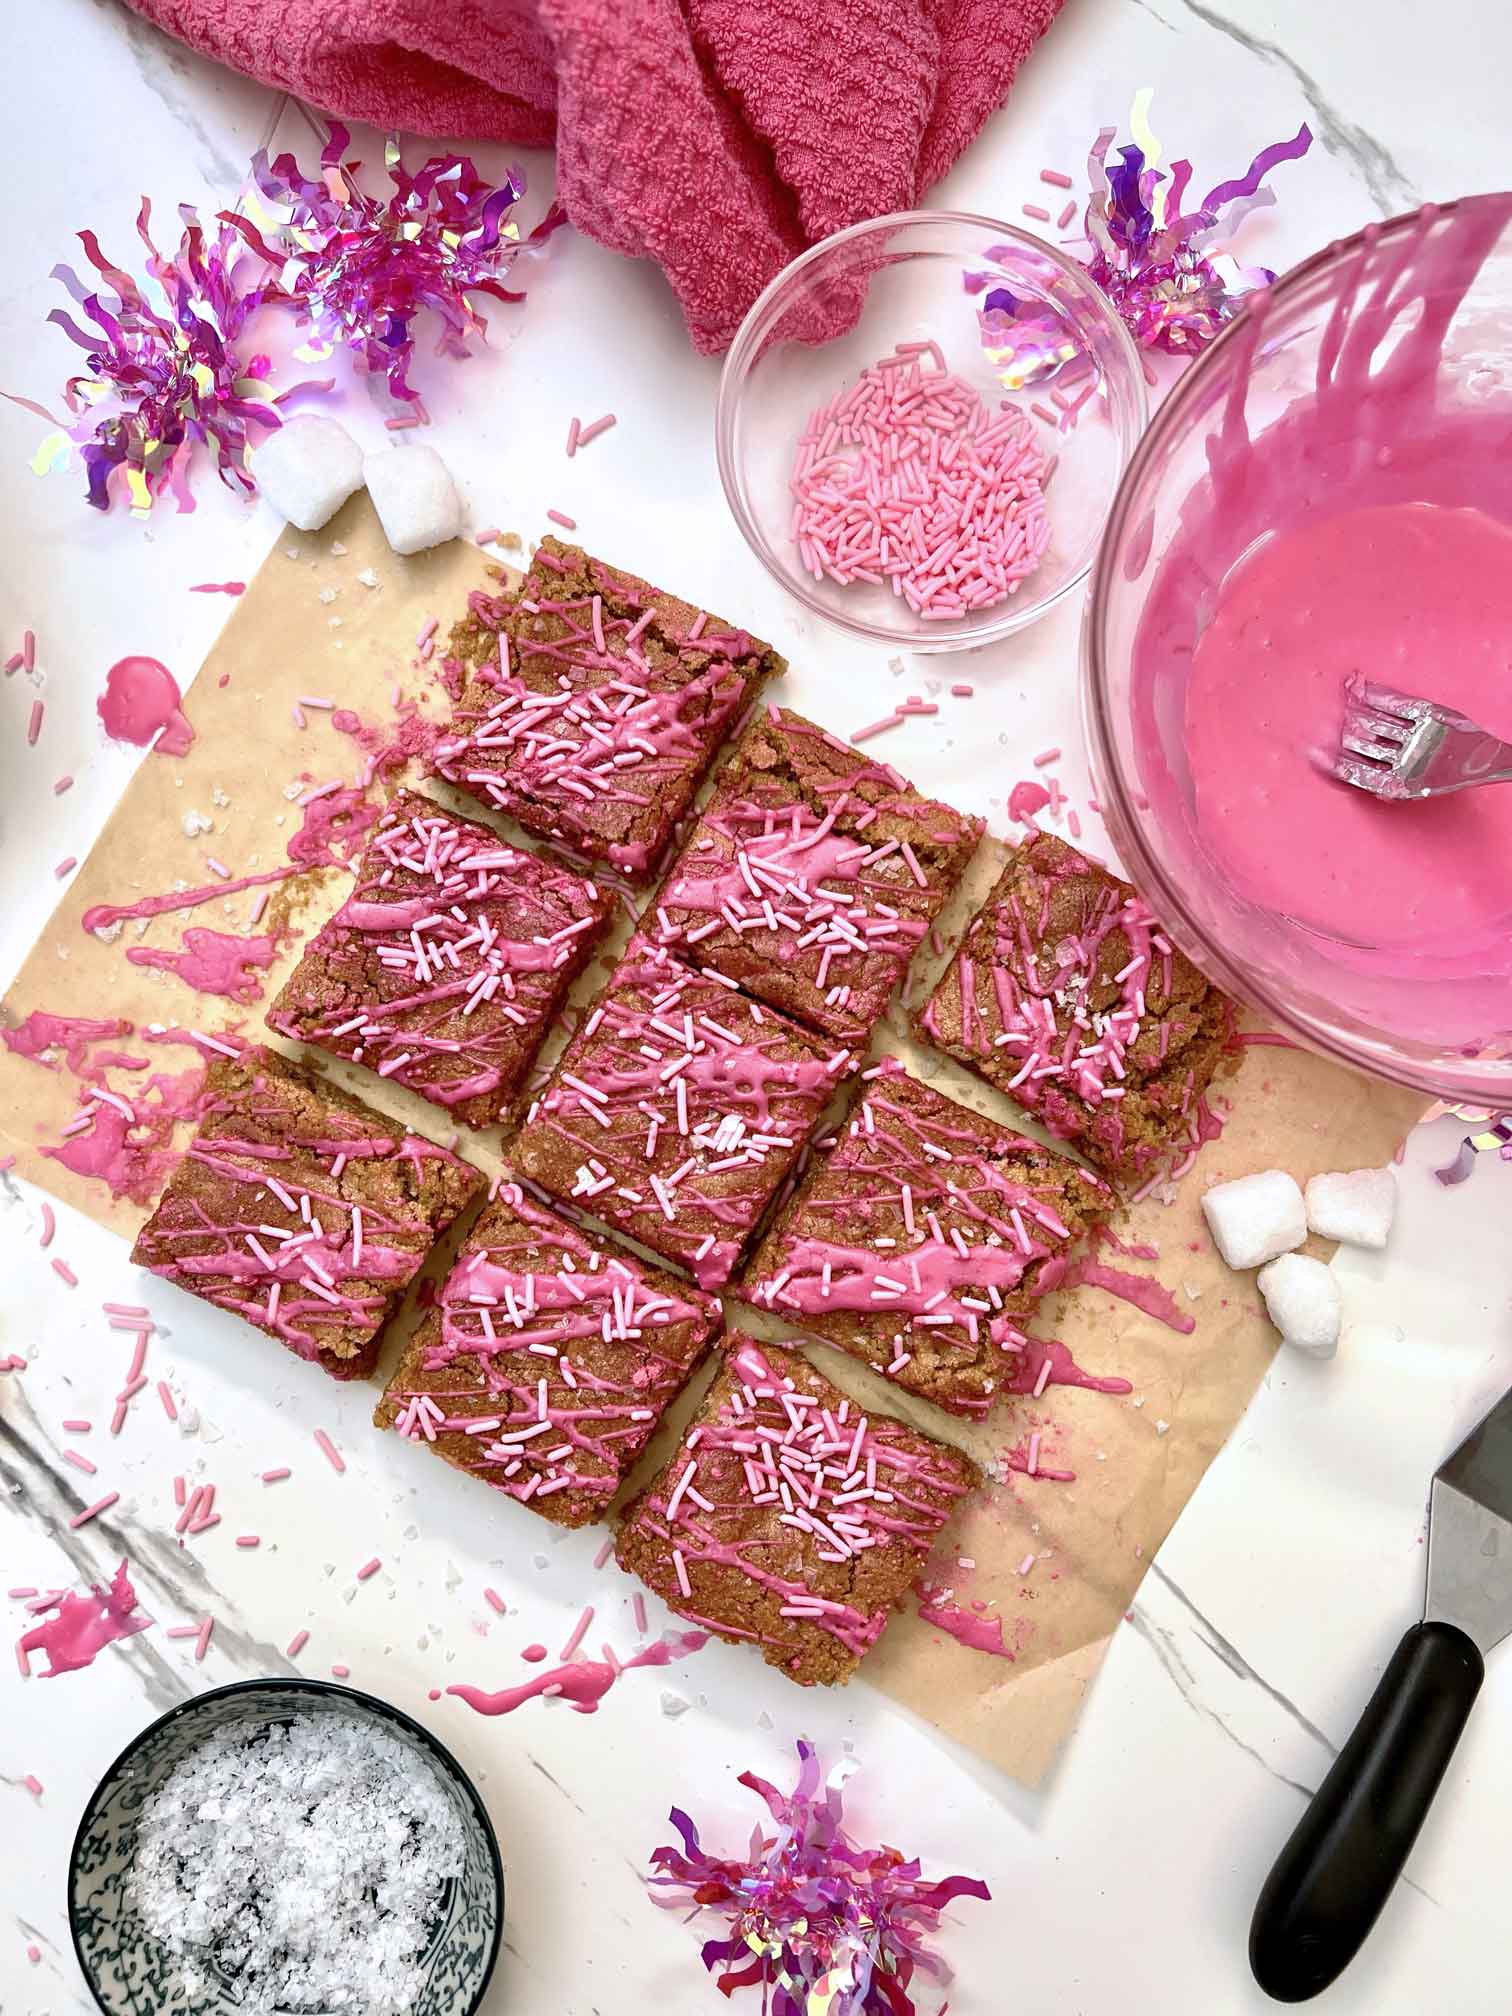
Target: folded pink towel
point(717, 137)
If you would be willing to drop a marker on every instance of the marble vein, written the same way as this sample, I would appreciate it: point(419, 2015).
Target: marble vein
point(1223, 1648)
point(1163, 1644)
point(177, 80)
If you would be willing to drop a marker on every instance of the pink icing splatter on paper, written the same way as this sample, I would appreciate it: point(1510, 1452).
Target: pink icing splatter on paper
point(979, 1632)
point(213, 962)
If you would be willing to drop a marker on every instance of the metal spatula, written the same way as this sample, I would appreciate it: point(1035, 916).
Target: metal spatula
point(1338, 1868)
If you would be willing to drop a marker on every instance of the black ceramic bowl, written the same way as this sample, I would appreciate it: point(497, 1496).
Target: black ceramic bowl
point(128, 1971)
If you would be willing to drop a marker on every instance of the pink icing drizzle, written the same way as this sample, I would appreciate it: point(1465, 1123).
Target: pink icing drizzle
point(582, 1682)
point(141, 704)
point(979, 1633)
point(82, 1626)
point(213, 962)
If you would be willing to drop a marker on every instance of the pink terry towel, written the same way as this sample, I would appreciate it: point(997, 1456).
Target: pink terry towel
point(717, 137)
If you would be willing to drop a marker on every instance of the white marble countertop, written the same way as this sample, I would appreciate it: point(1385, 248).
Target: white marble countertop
point(1126, 1884)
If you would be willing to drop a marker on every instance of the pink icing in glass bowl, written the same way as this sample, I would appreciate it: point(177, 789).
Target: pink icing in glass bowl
point(1328, 490)
point(846, 304)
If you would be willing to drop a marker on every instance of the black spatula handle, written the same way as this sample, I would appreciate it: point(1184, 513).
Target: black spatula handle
point(1349, 1847)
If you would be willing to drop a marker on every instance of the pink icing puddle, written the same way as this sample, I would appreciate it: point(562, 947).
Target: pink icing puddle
point(72, 1034)
point(1025, 799)
point(1064, 1370)
point(82, 1626)
point(582, 1682)
point(132, 1156)
point(1367, 530)
point(1138, 1289)
point(141, 704)
point(980, 1632)
point(534, 1654)
point(213, 963)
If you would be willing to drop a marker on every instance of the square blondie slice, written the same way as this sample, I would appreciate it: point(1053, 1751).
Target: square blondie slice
point(811, 876)
point(302, 1210)
point(446, 965)
point(790, 1518)
point(921, 1240)
point(548, 1361)
point(1068, 996)
point(592, 704)
point(677, 1110)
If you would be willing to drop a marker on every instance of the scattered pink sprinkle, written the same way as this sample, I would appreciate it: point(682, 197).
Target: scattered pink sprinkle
point(428, 630)
point(579, 1632)
point(34, 1953)
point(218, 868)
point(65, 1273)
point(49, 1226)
point(13, 663)
point(1037, 211)
point(329, 1450)
point(962, 692)
point(66, 866)
point(23, 1589)
point(638, 1610)
point(340, 1672)
point(560, 518)
point(249, 1540)
point(93, 1511)
point(179, 1491)
point(34, 724)
point(1046, 756)
point(1055, 178)
point(182, 1631)
point(133, 1310)
point(1066, 215)
point(495, 1601)
point(64, 783)
point(1073, 825)
point(593, 430)
point(604, 1552)
point(876, 728)
point(369, 1569)
point(33, 1784)
point(1025, 1565)
point(296, 714)
point(29, 651)
point(276, 1476)
point(296, 1644)
point(1043, 412)
point(487, 536)
point(80, 1462)
point(202, 1642)
point(165, 1394)
point(219, 588)
point(77, 1425)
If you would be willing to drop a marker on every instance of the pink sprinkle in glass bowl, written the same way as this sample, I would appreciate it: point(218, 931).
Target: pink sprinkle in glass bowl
point(915, 278)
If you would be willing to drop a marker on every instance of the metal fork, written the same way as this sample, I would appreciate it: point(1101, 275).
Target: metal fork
point(1398, 746)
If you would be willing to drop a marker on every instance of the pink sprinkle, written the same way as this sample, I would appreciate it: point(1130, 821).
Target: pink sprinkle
point(33, 1952)
point(64, 783)
point(218, 868)
point(1031, 1463)
point(428, 630)
point(320, 706)
point(579, 1632)
point(1073, 825)
point(297, 715)
point(219, 588)
point(1046, 756)
point(276, 1476)
point(1066, 215)
point(560, 518)
point(93, 1511)
point(1045, 413)
point(1025, 1565)
point(329, 1450)
point(604, 1552)
point(495, 1601)
point(1055, 178)
point(296, 1644)
point(131, 1309)
point(65, 1273)
point(23, 1589)
point(13, 663)
point(202, 1642)
point(165, 1394)
point(66, 866)
point(638, 1608)
point(138, 1359)
point(22, 1661)
point(369, 1569)
point(339, 1672)
point(182, 1631)
point(487, 536)
point(80, 1462)
point(29, 651)
point(592, 432)
point(33, 1784)
point(573, 434)
point(249, 1540)
point(76, 1425)
point(1037, 211)
point(49, 1226)
point(34, 724)
point(180, 1490)
point(876, 728)
point(962, 692)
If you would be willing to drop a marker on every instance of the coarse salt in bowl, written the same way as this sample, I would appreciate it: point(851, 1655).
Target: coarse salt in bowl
point(912, 287)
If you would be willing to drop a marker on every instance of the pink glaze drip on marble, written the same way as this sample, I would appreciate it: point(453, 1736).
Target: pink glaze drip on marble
point(142, 704)
point(582, 1683)
point(82, 1626)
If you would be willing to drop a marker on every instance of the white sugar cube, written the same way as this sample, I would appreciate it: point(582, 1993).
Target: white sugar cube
point(1255, 1217)
point(1356, 1205)
point(307, 469)
point(1302, 1299)
point(414, 497)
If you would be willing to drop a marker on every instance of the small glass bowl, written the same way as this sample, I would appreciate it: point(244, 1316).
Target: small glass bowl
point(902, 279)
point(127, 1970)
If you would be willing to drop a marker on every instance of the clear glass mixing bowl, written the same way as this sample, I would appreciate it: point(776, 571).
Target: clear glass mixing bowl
point(1291, 978)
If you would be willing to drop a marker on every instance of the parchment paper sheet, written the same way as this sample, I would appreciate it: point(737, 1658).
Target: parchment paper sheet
point(1137, 1459)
